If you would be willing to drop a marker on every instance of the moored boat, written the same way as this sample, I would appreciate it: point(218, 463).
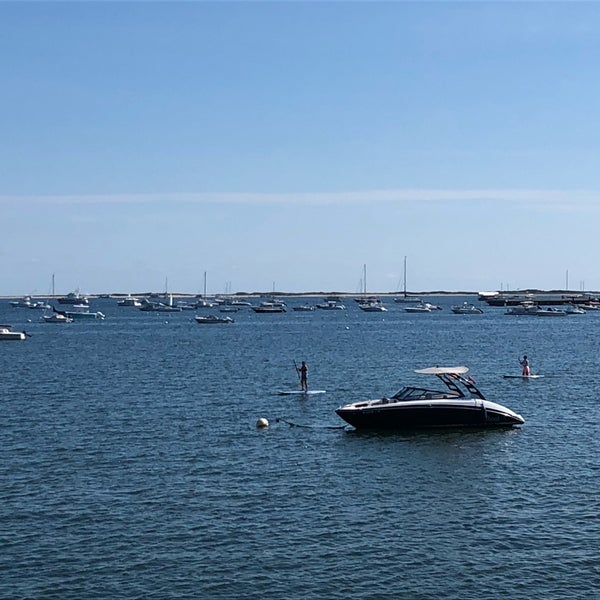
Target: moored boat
point(83, 314)
point(73, 298)
point(304, 308)
point(211, 319)
point(148, 306)
point(550, 312)
point(331, 305)
point(57, 318)
point(461, 404)
point(525, 308)
point(24, 302)
point(129, 300)
point(422, 307)
point(269, 307)
point(7, 335)
point(466, 308)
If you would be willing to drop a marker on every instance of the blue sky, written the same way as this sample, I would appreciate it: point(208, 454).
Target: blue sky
point(286, 144)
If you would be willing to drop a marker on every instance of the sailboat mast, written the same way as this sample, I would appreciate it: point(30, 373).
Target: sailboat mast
point(204, 285)
point(405, 276)
point(365, 279)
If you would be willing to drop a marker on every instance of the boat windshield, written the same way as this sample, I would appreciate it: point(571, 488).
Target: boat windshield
point(412, 393)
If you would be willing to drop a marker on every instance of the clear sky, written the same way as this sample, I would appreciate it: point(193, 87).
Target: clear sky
point(286, 144)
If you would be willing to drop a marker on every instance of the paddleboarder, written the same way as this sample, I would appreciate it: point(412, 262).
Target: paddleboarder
point(303, 374)
point(524, 362)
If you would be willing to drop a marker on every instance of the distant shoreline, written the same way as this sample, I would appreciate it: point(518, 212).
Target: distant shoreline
point(345, 295)
point(118, 296)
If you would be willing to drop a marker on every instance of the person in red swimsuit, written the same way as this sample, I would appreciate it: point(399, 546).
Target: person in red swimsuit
point(524, 362)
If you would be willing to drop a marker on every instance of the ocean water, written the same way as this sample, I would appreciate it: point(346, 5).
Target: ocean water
point(131, 465)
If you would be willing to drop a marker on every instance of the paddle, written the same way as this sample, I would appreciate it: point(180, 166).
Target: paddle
point(297, 372)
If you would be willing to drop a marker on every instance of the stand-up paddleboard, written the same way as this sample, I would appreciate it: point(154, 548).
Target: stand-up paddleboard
point(299, 392)
point(522, 376)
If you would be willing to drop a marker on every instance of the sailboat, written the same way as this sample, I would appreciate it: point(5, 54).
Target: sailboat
point(203, 302)
point(369, 303)
point(405, 298)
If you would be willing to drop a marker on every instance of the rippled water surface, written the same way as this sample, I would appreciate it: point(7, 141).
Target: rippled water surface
point(131, 466)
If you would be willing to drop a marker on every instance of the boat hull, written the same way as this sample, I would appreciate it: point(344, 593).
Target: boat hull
point(430, 416)
point(11, 336)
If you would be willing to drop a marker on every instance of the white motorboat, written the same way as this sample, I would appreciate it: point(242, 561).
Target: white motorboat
point(574, 309)
point(211, 319)
point(57, 318)
point(422, 307)
point(73, 298)
point(304, 308)
point(148, 306)
point(269, 307)
point(550, 312)
point(467, 308)
point(24, 302)
point(525, 308)
point(331, 305)
point(81, 311)
point(203, 303)
point(6, 335)
point(183, 305)
point(372, 306)
point(461, 404)
point(129, 301)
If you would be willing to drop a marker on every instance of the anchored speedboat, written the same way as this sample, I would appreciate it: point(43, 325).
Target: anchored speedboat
point(461, 404)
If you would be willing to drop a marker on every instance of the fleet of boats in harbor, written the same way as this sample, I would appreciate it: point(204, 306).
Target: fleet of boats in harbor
point(459, 404)
point(77, 306)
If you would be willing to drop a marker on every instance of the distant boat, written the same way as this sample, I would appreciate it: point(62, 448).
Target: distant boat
point(524, 309)
point(80, 311)
point(228, 309)
point(73, 298)
point(304, 308)
point(24, 302)
point(331, 305)
point(129, 301)
point(183, 305)
point(57, 317)
point(550, 312)
point(7, 335)
point(421, 307)
point(574, 309)
point(212, 319)
point(467, 309)
point(269, 307)
point(203, 302)
point(148, 306)
point(369, 303)
point(372, 306)
point(405, 297)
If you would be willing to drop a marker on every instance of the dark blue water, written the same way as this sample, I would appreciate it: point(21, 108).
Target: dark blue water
point(131, 466)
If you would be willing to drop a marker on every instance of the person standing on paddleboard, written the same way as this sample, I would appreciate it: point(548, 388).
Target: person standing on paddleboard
point(524, 362)
point(303, 374)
